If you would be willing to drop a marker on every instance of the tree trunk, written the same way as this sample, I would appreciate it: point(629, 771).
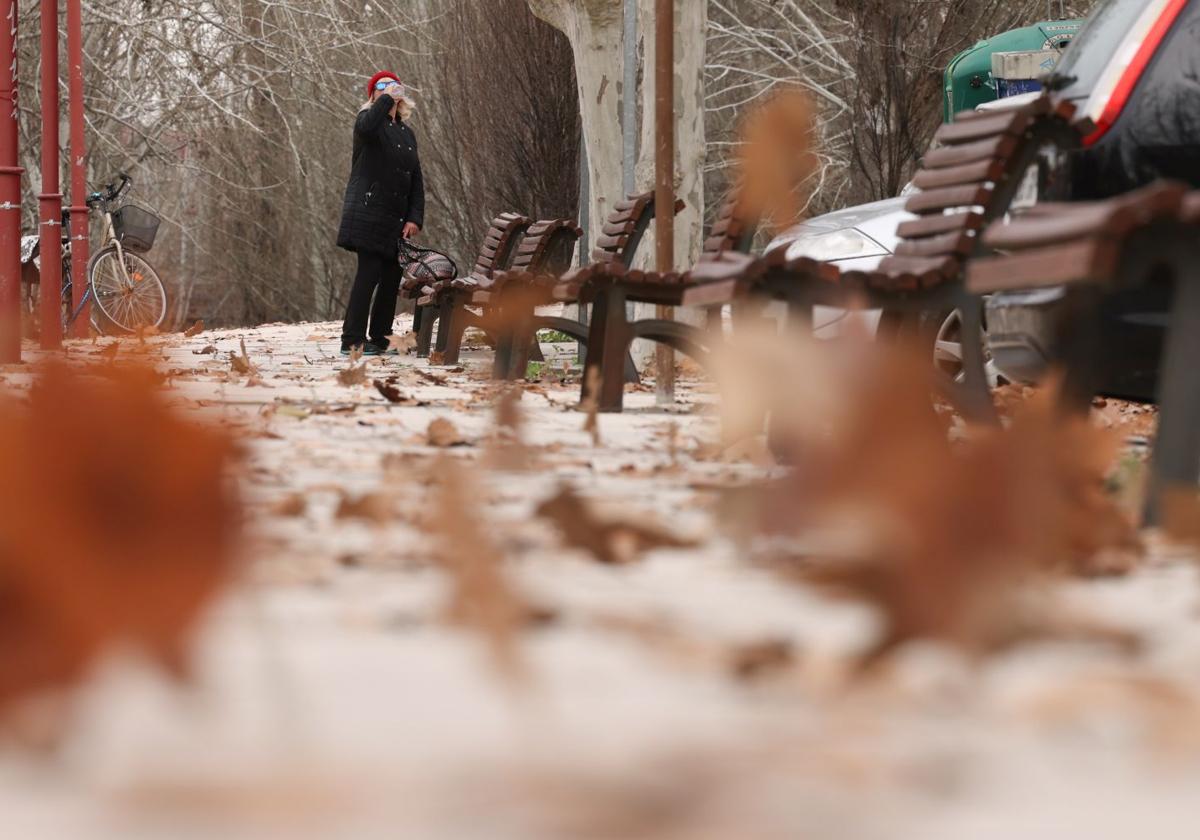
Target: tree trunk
point(594, 29)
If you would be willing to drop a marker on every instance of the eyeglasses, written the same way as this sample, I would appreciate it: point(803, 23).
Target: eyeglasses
point(383, 84)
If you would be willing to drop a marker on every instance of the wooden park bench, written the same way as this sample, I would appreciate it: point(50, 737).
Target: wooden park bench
point(474, 301)
point(1096, 249)
point(967, 179)
point(524, 292)
point(497, 252)
point(611, 332)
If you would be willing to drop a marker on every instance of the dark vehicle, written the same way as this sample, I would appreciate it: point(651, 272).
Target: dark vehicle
point(1134, 70)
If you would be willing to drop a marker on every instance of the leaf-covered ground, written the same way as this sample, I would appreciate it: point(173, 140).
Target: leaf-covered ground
point(471, 613)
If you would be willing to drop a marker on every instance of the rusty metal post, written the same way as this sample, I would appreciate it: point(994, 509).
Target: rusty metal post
point(50, 199)
point(78, 208)
point(10, 193)
point(664, 178)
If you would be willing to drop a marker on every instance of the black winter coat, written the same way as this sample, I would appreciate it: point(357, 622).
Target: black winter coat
point(386, 188)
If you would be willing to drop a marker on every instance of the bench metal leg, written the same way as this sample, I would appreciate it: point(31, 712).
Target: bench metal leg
point(506, 338)
point(423, 326)
point(1081, 350)
point(677, 335)
point(608, 343)
point(445, 321)
point(1176, 459)
point(974, 393)
point(579, 332)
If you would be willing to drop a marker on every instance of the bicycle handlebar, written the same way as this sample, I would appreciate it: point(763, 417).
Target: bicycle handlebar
point(111, 192)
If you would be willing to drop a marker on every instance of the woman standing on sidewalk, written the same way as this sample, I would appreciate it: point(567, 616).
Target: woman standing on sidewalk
point(384, 201)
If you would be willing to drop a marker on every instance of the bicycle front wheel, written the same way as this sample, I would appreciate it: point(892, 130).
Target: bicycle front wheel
point(126, 292)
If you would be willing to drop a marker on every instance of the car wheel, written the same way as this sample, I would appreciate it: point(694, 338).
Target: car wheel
point(948, 351)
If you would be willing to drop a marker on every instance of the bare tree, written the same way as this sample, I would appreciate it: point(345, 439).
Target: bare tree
point(874, 67)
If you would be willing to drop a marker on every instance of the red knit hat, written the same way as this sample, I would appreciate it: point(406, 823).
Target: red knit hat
point(382, 74)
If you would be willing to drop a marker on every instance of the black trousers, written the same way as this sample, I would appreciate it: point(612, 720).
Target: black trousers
point(378, 277)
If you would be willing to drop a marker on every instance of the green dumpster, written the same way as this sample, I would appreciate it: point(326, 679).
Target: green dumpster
point(969, 81)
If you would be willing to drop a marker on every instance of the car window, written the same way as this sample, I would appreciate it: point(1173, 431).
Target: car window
point(1086, 58)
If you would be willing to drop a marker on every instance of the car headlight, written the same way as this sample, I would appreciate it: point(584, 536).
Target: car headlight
point(838, 245)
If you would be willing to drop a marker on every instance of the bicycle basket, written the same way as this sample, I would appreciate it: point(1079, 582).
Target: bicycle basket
point(424, 266)
point(134, 227)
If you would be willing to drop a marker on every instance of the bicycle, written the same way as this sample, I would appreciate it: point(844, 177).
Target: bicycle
point(124, 289)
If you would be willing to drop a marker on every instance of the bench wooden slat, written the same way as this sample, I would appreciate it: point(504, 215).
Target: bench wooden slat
point(956, 244)
point(938, 225)
point(612, 242)
point(990, 169)
point(633, 201)
point(921, 267)
point(619, 228)
point(970, 195)
point(995, 123)
point(1073, 262)
point(947, 156)
point(1053, 222)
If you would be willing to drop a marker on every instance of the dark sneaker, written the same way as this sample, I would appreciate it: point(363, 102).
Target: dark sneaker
point(382, 347)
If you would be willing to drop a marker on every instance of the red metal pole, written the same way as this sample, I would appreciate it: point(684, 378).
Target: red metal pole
point(664, 178)
point(50, 199)
point(78, 209)
point(10, 193)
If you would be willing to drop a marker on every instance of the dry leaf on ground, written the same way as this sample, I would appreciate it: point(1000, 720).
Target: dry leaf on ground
point(591, 404)
point(120, 544)
point(611, 541)
point(482, 598)
point(291, 505)
point(355, 372)
point(939, 537)
point(194, 330)
point(507, 449)
point(752, 660)
point(387, 388)
point(402, 343)
point(378, 508)
point(430, 377)
point(443, 433)
point(241, 364)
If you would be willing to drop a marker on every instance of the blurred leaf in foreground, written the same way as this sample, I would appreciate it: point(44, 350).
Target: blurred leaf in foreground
point(118, 527)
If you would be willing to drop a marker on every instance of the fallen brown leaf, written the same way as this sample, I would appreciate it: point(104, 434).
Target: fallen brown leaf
point(402, 343)
point(752, 660)
point(378, 508)
point(387, 387)
point(591, 404)
point(291, 505)
point(776, 160)
point(613, 542)
point(443, 433)
point(507, 449)
point(355, 373)
point(241, 364)
point(941, 538)
point(482, 599)
point(109, 546)
point(430, 377)
point(194, 330)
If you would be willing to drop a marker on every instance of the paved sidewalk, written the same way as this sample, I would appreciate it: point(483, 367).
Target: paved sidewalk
point(332, 698)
